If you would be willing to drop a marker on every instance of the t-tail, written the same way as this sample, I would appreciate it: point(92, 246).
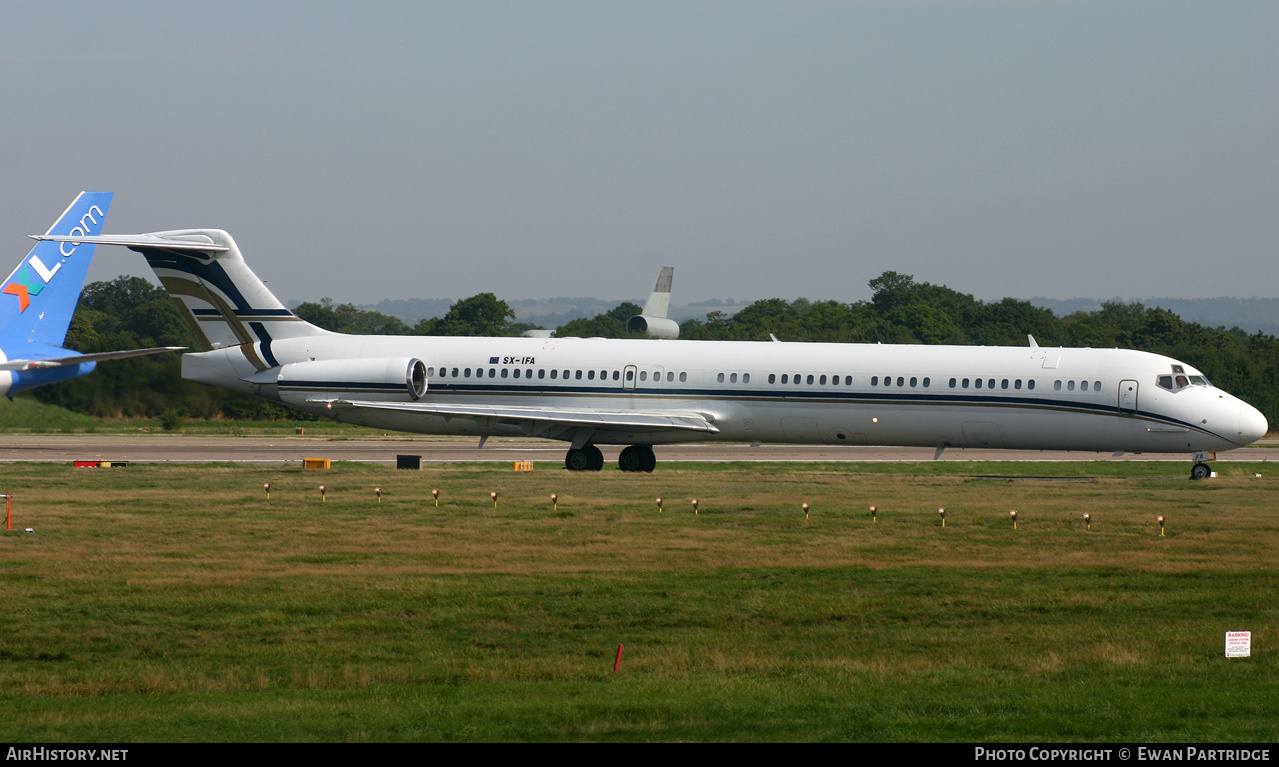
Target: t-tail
point(225, 302)
point(39, 297)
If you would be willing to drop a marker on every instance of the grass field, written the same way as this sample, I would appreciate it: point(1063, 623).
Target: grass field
point(167, 603)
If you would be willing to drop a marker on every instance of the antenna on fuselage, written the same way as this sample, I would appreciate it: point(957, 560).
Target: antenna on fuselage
point(1031, 339)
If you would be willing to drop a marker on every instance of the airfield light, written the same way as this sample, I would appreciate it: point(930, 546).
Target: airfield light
point(1161, 526)
point(436, 493)
point(874, 420)
point(694, 506)
point(8, 510)
point(378, 490)
point(267, 487)
point(1013, 514)
point(806, 511)
point(1088, 521)
point(494, 497)
point(555, 502)
point(942, 512)
point(323, 499)
point(659, 505)
point(874, 515)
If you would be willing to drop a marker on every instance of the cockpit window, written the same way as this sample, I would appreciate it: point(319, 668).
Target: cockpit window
point(1180, 380)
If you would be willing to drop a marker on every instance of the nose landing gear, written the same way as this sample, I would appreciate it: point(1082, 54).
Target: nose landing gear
point(1201, 469)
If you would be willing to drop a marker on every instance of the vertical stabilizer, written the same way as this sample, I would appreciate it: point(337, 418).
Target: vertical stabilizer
point(659, 301)
point(226, 303)
point(39, 297)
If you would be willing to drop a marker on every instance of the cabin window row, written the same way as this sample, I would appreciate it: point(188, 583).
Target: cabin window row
point(1083, 385)
point(990, 383)
point(811, 379)
point(556, 374)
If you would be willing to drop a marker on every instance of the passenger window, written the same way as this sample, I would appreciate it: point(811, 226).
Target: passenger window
point(991, 384)
point(720, 378)
point(926, 383)
point(978, 382)
point(772, 378)
point(643, 375)
point(617, 375)
point(810, 380)
point(732, 378)
point(912, 382)
point(590, 375)
point(671, 377)
point(683, 377)
point(517, 373)
point(952, 383)
point(746, 377)
point(874, 380)
point(630, 375)
point(1030, 384)
point(1003, 384)
point(553, 373)
point(822, 380)
point(1070, 386)
point(541, 374)
point(1017, 384)
point(528, 373)
point(505, 372)
point(965, 383)
point(578, 375)
point(492, 372)
point(785, 378)
point(1057, 385)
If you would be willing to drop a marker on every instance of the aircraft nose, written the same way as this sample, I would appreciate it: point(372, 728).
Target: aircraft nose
point(1252, 424)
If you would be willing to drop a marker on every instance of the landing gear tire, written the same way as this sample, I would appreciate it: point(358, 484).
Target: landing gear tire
point(588, 458)
point(637, 458)
point(1200, 471)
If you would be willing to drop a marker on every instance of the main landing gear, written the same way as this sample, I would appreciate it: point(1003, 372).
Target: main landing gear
point(589, 458)
point(637, 458)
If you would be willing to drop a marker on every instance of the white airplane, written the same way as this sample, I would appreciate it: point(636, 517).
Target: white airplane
point(652, 320)
point(38, 299)
point(642, 393)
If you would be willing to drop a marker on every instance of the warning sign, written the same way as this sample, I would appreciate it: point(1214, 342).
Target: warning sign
point(1238, 644)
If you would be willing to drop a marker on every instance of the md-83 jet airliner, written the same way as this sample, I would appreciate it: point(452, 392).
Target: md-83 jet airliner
point(39, 297)
point(641, 393)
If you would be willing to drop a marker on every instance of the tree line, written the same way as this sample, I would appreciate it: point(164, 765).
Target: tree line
point(129, 312)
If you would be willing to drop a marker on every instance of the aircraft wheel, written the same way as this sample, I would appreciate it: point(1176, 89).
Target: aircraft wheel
point(1200, 471)
point(634, 458)
point(650, 460)
point(578, 460)
point(597, 458)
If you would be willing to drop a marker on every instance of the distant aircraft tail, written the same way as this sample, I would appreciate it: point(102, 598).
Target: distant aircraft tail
point(227, 304)
point(39, 297)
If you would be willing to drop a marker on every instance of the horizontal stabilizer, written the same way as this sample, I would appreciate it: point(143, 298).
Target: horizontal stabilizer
point(80, 359)
point(601, 419)
point(184, 242)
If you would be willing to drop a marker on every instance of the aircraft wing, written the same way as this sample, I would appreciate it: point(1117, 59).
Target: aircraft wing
point(77, 359)
point(539, 421)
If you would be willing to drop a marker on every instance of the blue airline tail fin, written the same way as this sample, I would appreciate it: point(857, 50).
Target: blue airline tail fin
point(39, 297)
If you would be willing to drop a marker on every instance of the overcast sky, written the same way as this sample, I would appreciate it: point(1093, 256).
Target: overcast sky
point(375, 150)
